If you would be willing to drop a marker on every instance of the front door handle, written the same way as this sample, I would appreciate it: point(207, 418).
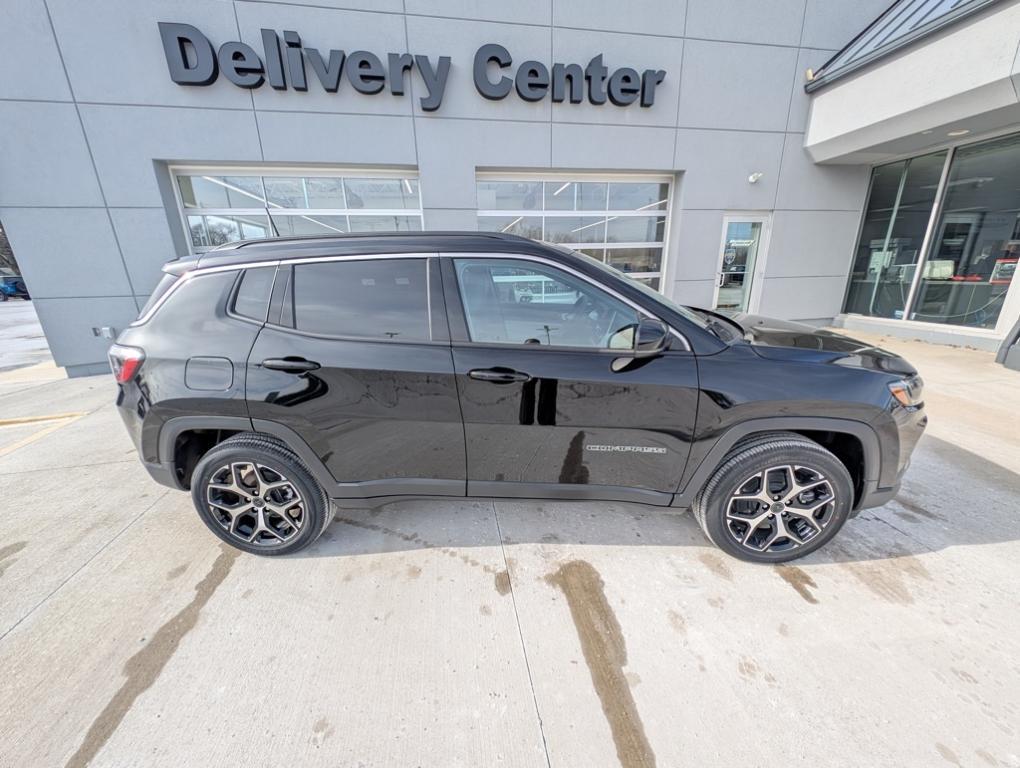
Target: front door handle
point(499, 375)
point(290, 364)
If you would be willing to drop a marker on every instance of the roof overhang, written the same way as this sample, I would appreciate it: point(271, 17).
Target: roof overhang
point(965, 77)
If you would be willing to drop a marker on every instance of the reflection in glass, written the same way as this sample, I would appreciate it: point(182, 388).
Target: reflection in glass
point(381, 193)
point(575, 195)
point(221, 191)
point(740, 250)
point(590, 216)
point(380, 298)
point(297, 225)
point(976, 245)
point(208, 231)
point(636, 229)
point(638, 196)
point(899, 208)
point(509, 195)
point(575, 229)
point(385, 223)
point(525, 226)
point(635, 259)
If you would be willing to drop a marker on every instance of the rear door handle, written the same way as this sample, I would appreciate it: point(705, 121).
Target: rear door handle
point(290, 364)
point(498, 375)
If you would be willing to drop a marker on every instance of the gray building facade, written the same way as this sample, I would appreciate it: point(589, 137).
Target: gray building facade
point(712, 194)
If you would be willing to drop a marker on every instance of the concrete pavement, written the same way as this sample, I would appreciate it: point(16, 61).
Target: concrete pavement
point(21, 339)
point(480, 633)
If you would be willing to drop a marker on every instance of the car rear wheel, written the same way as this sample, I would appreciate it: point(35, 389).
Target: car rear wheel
point(256, 494)
point(775, 499)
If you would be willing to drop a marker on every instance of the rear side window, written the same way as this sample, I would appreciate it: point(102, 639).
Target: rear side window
point(252, 299)
point(374, 299)
point(162, 287)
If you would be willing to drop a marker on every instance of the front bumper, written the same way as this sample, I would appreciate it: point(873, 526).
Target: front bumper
point(904, 428)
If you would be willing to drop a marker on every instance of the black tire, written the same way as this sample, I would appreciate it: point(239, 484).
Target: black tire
point(765, 456)
point(277, 465)
point(3, 296)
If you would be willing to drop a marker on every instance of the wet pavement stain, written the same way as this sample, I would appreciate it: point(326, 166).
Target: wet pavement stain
point(605, 652)
point(716, 565)
point(502, 580)
point(800, 580)
point(678, 621)
point(948, 755)
point(888, 579)
point(145, 667)
point(321, 731)
point(173, 573)
point(917, 509)
point(987, 756)
point(8, 552)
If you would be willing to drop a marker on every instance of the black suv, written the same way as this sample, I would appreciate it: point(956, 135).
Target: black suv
point(278, 378)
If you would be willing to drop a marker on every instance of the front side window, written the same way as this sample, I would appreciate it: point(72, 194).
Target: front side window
point(618, 221)
point(515, 301)
point(371, 299)
point(221, 208)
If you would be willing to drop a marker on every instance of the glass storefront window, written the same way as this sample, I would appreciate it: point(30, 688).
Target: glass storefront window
point(976, 241)
point(224, 208)
point(896, 219)
point(622, 223)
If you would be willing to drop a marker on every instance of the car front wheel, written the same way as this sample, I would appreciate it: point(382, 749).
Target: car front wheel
point(775, 499)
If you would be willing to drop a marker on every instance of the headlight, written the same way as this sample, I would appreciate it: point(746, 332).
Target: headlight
point(908, 392)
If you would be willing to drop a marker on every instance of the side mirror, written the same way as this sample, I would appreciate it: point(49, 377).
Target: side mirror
point(652, 340)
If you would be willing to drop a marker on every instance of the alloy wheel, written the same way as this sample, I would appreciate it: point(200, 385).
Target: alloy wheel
point(255, 504)
point(780, 508)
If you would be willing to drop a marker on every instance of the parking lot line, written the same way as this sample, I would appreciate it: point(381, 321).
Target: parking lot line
point(59, 422)
point(34, 419)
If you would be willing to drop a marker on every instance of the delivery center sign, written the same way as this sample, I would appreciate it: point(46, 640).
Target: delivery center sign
point(285, 62)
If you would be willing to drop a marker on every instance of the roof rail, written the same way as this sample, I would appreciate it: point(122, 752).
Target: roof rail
point(367, 235)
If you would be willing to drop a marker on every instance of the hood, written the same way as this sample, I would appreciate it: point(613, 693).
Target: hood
point(786, 340)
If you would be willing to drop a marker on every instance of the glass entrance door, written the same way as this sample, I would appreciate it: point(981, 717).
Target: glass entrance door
point(741, 246)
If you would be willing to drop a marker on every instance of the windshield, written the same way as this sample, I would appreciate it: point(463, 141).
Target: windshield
point(648, 291)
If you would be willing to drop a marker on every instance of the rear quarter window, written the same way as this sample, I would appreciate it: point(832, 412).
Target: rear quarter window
point(164, 285)
point(252, 297)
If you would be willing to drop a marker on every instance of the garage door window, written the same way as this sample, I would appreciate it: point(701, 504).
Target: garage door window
point(219, 207)
point(621, 222)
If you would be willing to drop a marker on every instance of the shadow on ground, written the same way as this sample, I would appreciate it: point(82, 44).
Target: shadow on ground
point(950, 497)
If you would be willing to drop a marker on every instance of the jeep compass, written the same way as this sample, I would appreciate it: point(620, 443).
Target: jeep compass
point(277, 379)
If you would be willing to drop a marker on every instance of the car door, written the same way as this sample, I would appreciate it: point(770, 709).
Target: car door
point(546, 411)
point(355, 360)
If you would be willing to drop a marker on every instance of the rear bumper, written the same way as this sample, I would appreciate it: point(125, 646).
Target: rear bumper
point(163, 474)
point(874, 496)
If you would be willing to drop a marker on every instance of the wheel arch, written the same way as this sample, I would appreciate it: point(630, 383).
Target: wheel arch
point(854, 443)
point(185, 439)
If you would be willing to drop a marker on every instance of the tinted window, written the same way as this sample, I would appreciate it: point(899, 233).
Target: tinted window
point(379, 298)
point(162, 287)
point(252, 298)
point(509, 301)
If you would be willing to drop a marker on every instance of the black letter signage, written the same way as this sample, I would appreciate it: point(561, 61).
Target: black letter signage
point(193, 60)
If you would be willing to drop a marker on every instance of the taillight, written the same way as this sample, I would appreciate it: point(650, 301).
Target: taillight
point(125, 362)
